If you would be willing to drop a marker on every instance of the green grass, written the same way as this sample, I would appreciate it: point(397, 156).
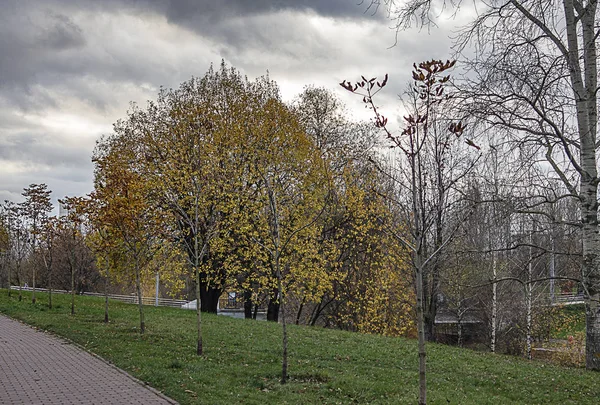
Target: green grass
point(242, 361)
point(572, 321)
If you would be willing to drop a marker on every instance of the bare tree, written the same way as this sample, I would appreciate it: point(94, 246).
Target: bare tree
point(47, 247)
point(18, 241)
point(536, 74)
point(36, 207)
point(5, 246)
point(426, 178)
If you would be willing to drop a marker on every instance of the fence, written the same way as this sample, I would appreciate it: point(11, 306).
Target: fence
point(568, 299)
point(129, 299)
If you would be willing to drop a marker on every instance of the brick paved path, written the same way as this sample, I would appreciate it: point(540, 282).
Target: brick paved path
point(37, 368)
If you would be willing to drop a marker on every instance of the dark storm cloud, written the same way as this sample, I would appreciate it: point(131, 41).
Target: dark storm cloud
point(50, 42)
point(236, 23)
point(189, 11)
point(41, 41)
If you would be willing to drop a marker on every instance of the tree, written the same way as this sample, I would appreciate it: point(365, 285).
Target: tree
point(71, 230)
point(371, 284)
point(36, 207)
point(535, 75)
point(188, 146)
point(4, 246)
point(18, 237)
point(375, 290)
point(127, 212)
point(426, 199)
point(48, 237)
point(292, 190)
point(193, 161)
point(102, 243)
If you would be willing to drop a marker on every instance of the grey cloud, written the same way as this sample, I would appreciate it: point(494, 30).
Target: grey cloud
point(72, 57)
point(189, 12)
point(42, 43)
point(39, 149)
point(35, 156)
point(60, 34)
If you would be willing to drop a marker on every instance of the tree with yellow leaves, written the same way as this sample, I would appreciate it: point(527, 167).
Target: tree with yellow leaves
point(127, 213)
point(194, 152)
point(291, 188)
point(375, 294)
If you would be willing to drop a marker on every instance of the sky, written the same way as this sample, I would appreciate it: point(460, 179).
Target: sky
point(70, 69)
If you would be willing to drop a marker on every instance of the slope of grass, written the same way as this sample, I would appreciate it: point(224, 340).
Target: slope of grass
point(242, 361)
point(571, 321)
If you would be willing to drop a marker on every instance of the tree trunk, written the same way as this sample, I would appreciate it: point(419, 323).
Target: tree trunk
point(138, 287)
point(421, 336)
point(300, 308)
point(427, 303)
point(72, 290)
point(585, 101)
point(591, 285)
point(157, 289)
point(107, 267)
point(315, 313)
point(20, 282)
point(494, 301)
point(429, 325)
point(529, 299)
point(460, 331)
point(50, 290)
point(106, 299)
point(33, 286)
point(284, 362)
point(591, 272)
point(209, 296)
point(273, 307)
point(199, 305)
point(247, 304)
point(552, 271)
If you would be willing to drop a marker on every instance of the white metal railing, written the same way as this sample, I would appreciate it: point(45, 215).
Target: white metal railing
point(567, 298)
point(130, 299)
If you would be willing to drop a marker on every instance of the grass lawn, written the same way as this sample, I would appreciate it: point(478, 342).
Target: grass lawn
point(242, 360)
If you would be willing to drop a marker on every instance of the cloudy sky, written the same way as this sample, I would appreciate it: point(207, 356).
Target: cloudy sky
point(69, 69)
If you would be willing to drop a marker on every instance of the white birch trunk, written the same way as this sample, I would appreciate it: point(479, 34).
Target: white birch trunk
point(494, 301)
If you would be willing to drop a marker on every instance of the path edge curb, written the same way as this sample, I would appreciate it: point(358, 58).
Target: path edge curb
point(108, 363)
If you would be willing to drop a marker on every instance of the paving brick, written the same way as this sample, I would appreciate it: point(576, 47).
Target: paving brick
point(37, 368)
